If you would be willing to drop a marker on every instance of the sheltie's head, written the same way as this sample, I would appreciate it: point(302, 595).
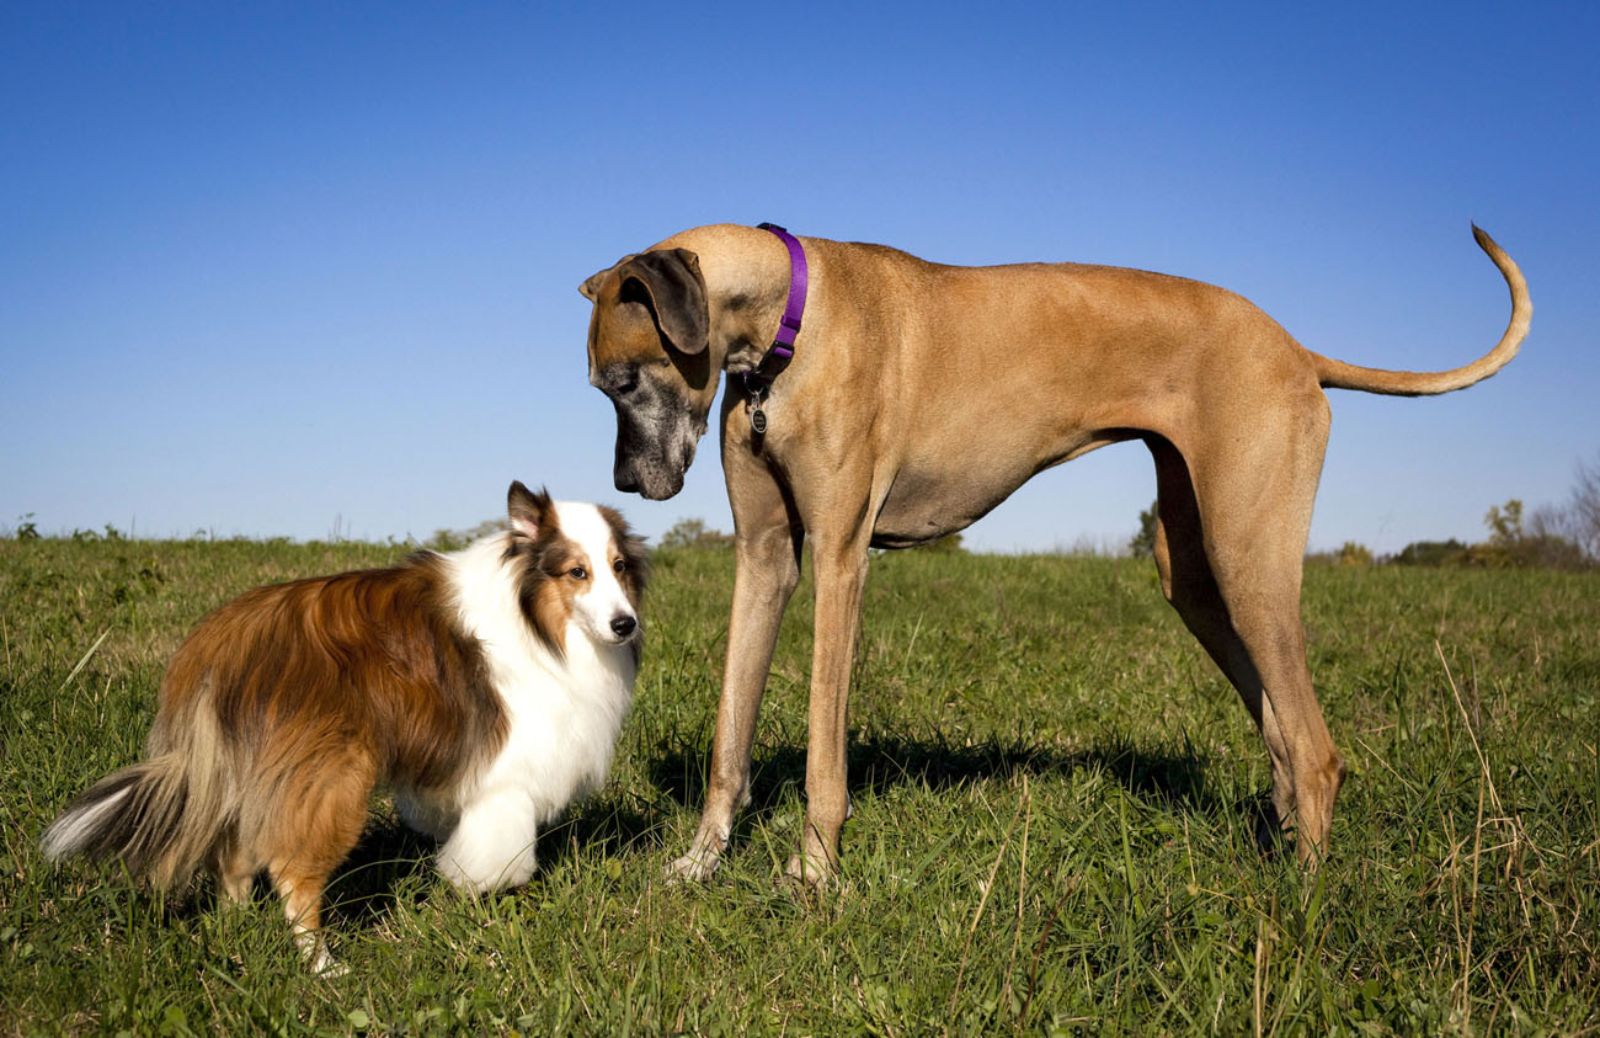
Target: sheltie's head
point(581, 566)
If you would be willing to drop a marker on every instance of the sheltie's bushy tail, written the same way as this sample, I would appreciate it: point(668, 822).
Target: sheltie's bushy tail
point(163, 817)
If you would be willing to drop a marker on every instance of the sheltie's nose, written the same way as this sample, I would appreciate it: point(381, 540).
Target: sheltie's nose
point(622, 625)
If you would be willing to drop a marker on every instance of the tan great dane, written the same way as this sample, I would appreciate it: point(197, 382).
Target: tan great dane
point(920, 396)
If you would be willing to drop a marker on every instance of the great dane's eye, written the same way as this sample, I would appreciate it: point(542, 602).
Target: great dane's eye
point(578, 573)
point(626, 384)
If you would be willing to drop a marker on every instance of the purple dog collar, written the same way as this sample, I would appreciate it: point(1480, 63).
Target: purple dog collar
point(794, 311)
point(759, 380)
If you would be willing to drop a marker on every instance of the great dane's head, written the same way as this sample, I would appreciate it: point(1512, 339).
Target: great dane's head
point(648, 352)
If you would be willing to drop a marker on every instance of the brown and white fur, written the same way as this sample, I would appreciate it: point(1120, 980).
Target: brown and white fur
point(486, 687)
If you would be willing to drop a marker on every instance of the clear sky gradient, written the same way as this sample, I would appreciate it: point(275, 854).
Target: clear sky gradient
point(278, 269)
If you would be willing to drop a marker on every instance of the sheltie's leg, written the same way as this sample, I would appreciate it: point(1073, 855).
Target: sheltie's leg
point(321, 815)
point(302, 906)
point(493, 844)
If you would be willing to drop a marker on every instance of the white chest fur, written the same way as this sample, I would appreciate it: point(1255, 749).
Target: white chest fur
point(563, 715)
point(564, 718)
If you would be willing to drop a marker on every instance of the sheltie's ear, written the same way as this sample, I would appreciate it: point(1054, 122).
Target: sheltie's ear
point(528, 511)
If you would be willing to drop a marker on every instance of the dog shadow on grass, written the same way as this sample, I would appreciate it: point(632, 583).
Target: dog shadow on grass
point(1174, 781)
point(393, 863)
point(390, 855)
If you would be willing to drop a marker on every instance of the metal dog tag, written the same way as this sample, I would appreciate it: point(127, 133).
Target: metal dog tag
point(758, 419)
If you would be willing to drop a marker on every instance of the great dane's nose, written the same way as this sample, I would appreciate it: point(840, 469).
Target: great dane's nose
point(622, 625)
point(625, 479)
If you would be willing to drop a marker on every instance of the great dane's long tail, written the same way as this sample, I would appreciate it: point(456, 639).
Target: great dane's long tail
point(1336, 374)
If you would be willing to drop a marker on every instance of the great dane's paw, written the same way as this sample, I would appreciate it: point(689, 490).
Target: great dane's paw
point(811, 872)
point(694, 867)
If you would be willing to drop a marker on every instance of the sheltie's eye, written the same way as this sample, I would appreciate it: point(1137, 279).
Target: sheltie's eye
point(578, 573)
point(618, 566)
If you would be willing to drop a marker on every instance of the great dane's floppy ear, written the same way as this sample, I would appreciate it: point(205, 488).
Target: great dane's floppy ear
point(676, 290)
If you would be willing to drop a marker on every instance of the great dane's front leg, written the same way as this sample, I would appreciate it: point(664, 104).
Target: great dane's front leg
point(840, 568)
point(767, 567)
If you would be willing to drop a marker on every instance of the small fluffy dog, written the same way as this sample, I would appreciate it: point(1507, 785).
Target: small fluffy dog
point(486, 687)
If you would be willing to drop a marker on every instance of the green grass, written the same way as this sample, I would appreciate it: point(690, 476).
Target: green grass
point(1054, 801)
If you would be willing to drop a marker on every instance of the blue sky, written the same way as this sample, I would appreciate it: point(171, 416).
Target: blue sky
point(280, 269)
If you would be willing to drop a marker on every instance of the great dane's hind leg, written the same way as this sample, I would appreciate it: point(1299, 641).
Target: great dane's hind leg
point(1191, 588)
point(767, 567)
point(1253, 495)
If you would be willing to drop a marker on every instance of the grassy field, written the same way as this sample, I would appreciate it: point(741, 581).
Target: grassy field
point(1054, 802)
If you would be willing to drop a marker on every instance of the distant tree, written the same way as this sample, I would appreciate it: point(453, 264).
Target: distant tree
point(1578, 518)
point(1584, 508)
point(692, 533)
point(1511, 544)
point(1353, 553)
point(455, 540)
point(1565, 537)
point(1143, 544)
point(1548, 551)
point(1504, 523)
point(1430, 553)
